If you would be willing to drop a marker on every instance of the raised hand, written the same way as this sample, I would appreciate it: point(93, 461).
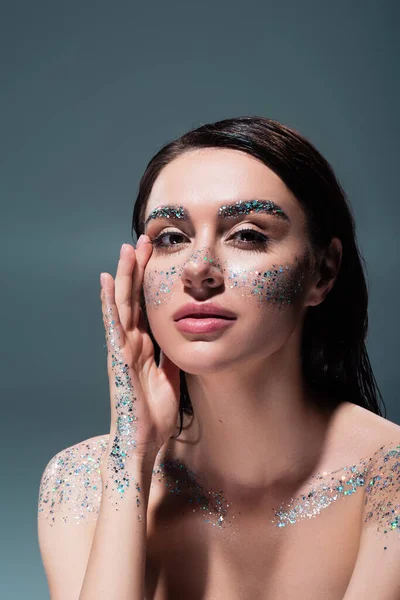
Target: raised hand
point(144, 397)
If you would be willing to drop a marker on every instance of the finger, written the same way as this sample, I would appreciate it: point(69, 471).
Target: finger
point(113, 329)
point(143, 253)
point(123, 284)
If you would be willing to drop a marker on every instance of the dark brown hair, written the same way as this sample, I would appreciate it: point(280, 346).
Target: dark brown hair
point(334, 357)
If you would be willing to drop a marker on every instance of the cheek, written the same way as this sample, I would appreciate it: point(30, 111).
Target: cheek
point(264, 283)
point(160, 285)
point(279, 285)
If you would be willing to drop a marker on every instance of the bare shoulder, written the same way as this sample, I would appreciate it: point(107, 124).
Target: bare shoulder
point(70, 486)
point(371, 430)
point(68, 507)
point(379, 545)
point(362, 434)
point(356, 435)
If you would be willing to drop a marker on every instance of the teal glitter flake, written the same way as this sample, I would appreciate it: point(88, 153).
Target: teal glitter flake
point(176, 212)
point(322, 496)
point(189, 488)
point(279, 285)
point(124, 441)
point(71, 483)
point(383, 490)
point(248, 206)
point(72, 479)
point(379, 492)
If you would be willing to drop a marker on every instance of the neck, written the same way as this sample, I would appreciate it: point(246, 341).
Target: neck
point(255, 424)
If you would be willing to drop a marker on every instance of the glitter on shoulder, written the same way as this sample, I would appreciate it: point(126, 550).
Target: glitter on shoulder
point(70, 487)
point(382, 498)
point(381, 476)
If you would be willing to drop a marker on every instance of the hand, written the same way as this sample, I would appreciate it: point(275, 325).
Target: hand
point(144, 397)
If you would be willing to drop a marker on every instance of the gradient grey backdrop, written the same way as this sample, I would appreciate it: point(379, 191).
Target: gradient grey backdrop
point(89, 92)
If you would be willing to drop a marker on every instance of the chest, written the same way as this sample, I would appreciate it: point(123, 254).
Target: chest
point(192, 554)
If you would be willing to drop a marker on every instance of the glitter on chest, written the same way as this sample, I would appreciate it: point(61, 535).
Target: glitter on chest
point(72, 479)
point(179, 480)
point(380, 476)
point(320, 497)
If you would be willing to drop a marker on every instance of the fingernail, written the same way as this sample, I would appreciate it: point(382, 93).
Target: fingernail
point(102, 279)
point(140, 241)
point(122, 250)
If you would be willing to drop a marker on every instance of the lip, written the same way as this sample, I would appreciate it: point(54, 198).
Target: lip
point(202, 325)
point(203, 310)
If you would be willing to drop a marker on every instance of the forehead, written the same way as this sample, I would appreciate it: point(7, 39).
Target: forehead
point(204, 179)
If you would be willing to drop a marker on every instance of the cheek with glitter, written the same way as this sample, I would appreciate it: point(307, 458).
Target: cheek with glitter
point(160, 285)
point(279, 285)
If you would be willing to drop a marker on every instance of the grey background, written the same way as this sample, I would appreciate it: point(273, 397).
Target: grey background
point(89, 92)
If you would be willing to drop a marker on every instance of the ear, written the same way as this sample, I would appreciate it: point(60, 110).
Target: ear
point(326, 272)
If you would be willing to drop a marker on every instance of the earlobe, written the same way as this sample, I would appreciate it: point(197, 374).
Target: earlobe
point(318, 296)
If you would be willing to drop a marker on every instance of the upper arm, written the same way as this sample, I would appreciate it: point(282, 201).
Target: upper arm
point(69, 500)
point(377, 570)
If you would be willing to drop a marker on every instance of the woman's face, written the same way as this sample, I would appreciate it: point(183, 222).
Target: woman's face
point(225, 230)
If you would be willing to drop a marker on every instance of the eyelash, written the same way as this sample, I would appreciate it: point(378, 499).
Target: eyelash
point(263, 242)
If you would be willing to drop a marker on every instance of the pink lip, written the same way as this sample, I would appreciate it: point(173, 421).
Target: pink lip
point(202, 325)
point(203, 309)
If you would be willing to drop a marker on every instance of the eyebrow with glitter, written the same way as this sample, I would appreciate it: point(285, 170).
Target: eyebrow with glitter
point(233, 210)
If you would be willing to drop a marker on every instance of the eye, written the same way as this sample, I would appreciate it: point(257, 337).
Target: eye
point(257, 242)
point(160, 240)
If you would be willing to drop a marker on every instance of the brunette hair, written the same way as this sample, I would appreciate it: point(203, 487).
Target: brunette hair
point(334, 357)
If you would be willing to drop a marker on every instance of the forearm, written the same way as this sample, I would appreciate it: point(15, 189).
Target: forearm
point(117, 560)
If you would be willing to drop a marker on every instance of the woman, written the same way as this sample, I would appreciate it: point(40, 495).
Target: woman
point(242, 310)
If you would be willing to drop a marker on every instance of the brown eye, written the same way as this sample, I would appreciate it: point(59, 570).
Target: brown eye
point(253, 239)
point(161, 241)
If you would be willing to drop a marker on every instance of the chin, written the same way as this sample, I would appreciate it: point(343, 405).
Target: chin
point(197, 369)
point(199, 359)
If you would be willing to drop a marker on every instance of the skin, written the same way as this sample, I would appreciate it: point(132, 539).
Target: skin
point(255, 428)
point(254, 424)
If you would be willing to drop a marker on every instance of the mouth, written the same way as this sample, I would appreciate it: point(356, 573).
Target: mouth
point(204, 324)
point(205, 316)
point(197, 311)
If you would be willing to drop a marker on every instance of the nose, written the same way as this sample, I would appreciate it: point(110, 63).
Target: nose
point(202, 271)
